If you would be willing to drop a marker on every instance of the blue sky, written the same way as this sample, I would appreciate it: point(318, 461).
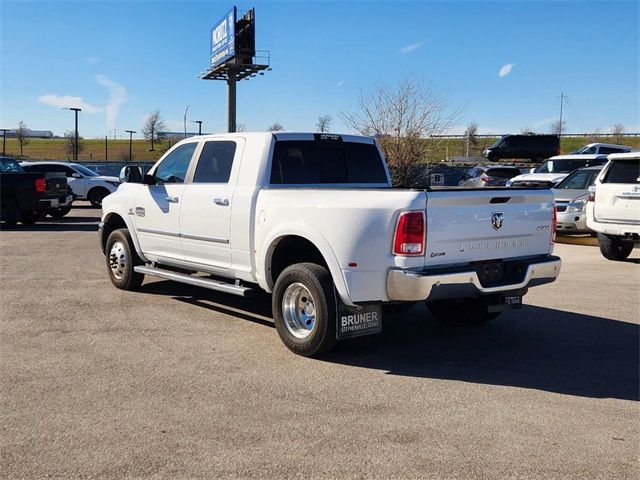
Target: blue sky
point(121, 60)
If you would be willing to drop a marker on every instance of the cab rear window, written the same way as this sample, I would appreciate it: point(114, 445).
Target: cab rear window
point(326, 162)
point(623, 171)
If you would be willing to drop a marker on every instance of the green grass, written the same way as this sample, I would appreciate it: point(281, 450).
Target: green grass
point(93, 150)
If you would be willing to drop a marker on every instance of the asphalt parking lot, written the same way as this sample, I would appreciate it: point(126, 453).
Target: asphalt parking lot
point(178, 382)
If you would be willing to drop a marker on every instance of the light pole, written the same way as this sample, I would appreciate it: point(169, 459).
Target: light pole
point(199, 122)
point(130, 132)
point(75, 143)
point(4, 138)
point(185, 120)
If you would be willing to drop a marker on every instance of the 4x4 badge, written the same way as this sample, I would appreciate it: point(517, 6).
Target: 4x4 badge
point(496, 220)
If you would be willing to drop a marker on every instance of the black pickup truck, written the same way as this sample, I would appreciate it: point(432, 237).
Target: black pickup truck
point(28, 197)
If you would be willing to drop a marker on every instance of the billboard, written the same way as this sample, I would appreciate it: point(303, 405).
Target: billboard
point(223, 38)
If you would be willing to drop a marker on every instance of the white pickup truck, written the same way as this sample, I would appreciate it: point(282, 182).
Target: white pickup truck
point(314, 219)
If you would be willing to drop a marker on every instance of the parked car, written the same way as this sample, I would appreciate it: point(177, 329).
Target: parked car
point(613, 209)
point(488, 176)
point(85, 183)
point(535, 147)
point(28, 197)
point(554, 170)
point(571, 199)
point(601, 149)
point(314, 219)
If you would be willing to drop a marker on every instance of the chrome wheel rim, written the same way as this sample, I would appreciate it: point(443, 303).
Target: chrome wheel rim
point(118, 260)
point(298, 310)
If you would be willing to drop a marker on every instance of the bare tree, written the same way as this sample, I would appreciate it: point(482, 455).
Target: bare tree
point(22, 135)
point(324, 123)
point(618, 130)
point(557, 128)
point(471, 136)
point(401, 117)
point(594, 136)
point(70, 144)
point(275, 127)
point(241, 127)
point(526, 130)
point(154, 128)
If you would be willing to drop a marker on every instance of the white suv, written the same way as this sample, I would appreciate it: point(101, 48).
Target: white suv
point(602, 149)
point(85, 183)
point(613, 209)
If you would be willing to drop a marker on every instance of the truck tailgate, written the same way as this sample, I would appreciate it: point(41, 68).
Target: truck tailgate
point(487, 224)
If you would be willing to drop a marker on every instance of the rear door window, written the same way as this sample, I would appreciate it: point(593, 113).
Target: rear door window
point(215, 162)
point(623, 171)
point(326, 162)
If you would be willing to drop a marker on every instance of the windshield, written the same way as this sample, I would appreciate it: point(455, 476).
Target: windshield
point(9, 165)
point(560, 166)
point(497, 144)
point(85, 171)
point(579, 180)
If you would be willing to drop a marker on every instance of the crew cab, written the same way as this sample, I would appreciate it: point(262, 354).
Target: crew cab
point(613, 209)
point(28, 197)
point(85, 183)
point(314, 220)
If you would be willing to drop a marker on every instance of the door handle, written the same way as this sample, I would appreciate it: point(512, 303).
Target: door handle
point(172, 199)
point(221, 201)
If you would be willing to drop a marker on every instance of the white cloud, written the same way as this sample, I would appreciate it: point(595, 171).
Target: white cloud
point(505, 70)
point(66, 101)
point(340, 83)
point(410, 48)
point(91, 60)
point(117, 96)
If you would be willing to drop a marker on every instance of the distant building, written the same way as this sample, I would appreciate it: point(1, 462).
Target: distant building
point(31, 133)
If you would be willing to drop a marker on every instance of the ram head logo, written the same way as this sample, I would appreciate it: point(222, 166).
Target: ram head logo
point(496, 220)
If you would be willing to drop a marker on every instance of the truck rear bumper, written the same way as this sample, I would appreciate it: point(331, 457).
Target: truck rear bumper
point(438, 283)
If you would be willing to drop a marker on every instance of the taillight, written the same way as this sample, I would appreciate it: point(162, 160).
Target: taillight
point(484, 177)
point(592, 196)
point(41, 185)
point(410, 236)
point(554, 224)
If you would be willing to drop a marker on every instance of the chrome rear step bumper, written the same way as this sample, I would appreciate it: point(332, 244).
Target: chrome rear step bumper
point(416, 285)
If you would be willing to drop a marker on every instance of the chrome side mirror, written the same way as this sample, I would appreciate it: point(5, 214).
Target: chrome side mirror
point(532, 170)
point(131, 174)
point(76, 175)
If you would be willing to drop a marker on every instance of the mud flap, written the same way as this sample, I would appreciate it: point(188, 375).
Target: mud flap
point(365, 319)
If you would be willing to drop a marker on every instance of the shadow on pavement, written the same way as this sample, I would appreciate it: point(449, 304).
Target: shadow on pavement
point(534, 347)
point(67, 223)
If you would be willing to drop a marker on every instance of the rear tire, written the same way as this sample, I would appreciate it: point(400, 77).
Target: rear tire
point(304, 309)
point(460, 312)
point(121, 257)
point(96, 196)
point(31, 217)
point(613, 248)
point(9, 213)
point(59, 212)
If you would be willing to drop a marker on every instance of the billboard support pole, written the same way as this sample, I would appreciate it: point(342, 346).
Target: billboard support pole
point(231, 101)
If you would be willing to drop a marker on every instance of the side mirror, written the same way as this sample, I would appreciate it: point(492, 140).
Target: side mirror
point(149, 180)
point(76, 175)
point(131, 174)
point(532, 170)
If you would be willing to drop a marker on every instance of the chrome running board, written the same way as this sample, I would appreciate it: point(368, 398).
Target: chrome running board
point(234, 289)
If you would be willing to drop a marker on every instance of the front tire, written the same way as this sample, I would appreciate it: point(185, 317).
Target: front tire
point(96, 196)
point(304, 309)
point(613, 248)
point(460, 312)
point(121, 257)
